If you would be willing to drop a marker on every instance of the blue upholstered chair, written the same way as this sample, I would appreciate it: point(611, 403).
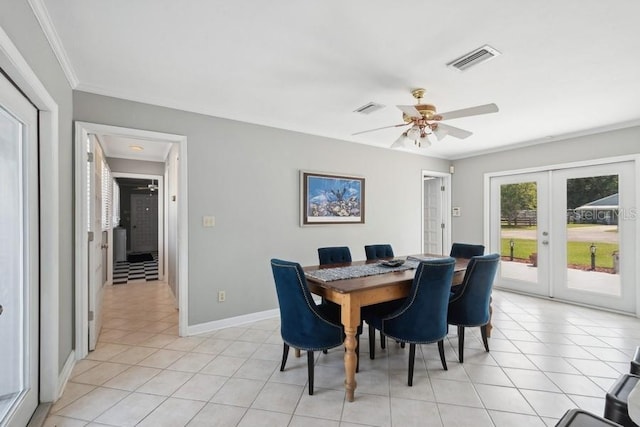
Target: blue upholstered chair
point(303, 324)
point(469, 305)
point(465, 250)
point(422, 317)
point(334, 255)
point(374, 252)
point(378, 251)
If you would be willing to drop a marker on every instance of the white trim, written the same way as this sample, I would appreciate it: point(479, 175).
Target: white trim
point(65, 374)
point(16, 67)
point(203, 328)
point(183, 240)
point(49, 30)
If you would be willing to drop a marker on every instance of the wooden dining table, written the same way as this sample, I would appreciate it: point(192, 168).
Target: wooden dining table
point(354, 293)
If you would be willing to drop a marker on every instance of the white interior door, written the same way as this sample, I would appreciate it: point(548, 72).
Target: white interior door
point(19, 262)
point(433, 215)
point(96, 245)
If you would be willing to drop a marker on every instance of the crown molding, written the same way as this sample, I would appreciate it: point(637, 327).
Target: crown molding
point(42, 15)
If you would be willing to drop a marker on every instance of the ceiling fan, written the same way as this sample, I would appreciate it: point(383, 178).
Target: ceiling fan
point(151, 187)
point(425, 121)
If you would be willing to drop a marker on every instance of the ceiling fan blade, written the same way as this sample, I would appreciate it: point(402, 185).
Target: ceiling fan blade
point(409, 110)
point(384, 127)
point(471, 111)
point(443, 130)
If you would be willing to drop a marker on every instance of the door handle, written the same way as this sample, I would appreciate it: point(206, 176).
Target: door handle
point(545, 242)
point(1, 309)
point(104, 246)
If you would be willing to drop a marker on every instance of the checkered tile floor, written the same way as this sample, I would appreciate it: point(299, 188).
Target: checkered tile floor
point(124, 271)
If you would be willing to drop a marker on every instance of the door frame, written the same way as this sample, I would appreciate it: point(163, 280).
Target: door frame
point(52, 378)
point(162, 218)
point(446, 206)
point(584, 163)
point(81, 285)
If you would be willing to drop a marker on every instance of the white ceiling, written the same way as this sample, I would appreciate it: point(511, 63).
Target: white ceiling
point(134, 148)
point(567, 67)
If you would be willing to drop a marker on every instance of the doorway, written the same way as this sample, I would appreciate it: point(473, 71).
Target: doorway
point(436, 204)
point(568, 233)
point(139, 237)
point(174, 155)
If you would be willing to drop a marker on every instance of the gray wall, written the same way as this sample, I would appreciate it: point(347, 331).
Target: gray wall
point(247, 176)
point(19, 22)
point(468, 180)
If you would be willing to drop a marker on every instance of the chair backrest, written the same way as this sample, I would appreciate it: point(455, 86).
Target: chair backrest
point(378, 251)
point(334, 255)
point(302, 326)
point(465, 250)
point(469, 306)
point(423, 316)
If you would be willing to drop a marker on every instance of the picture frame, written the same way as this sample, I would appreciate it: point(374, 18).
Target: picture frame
point(327, 198)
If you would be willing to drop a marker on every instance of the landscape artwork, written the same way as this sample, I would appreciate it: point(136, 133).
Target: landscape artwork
point(332, 199)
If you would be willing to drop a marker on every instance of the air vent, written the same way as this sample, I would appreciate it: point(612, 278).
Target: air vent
point(471, 59)
point(369, 108)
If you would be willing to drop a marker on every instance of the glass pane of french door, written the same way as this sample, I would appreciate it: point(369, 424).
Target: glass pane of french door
point(593, 235)
point(18, 258)
point(519, 231)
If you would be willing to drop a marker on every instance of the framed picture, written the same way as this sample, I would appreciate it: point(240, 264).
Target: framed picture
point(331, 199)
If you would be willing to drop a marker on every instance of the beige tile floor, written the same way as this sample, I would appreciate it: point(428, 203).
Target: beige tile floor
point(546, 357)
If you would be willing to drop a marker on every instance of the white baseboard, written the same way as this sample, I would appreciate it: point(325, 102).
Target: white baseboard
point(66, 373)
point(203, 328)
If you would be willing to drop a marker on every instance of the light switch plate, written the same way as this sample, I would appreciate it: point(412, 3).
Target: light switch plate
point(208, 221)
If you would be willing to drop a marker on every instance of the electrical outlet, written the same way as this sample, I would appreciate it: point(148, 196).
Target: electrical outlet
point(221, 296)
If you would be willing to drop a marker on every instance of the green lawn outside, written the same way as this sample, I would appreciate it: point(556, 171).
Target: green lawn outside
point(578, 252)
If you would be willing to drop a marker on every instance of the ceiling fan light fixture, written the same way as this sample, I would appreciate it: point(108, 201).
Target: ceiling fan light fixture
point(413, 133)
point(401, 141)
point(424, 140)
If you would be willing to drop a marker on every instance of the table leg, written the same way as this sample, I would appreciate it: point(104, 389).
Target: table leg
point(350, 314)
point(350, 361)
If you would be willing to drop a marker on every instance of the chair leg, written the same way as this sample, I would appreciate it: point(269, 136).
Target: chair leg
point(402, 345)
point(461, 343)
point(372, 342)
point(285, 354)
point(483, 332)
point(441, 351)
point(383, 340)
point(358, 353)
point(412, 359)
point(310, 371)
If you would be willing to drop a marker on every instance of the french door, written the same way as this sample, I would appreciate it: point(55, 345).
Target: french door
point(19, 257)
point(568, 234)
